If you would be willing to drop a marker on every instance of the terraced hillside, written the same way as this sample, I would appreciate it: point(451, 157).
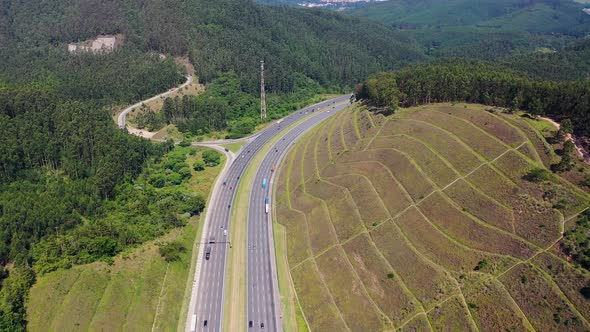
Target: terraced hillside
point(423, 221)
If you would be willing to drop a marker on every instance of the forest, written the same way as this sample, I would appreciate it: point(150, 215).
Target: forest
point(218, 36)
point(481, 82)
point(225, 106)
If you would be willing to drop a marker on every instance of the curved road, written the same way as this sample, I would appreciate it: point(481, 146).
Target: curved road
point(207, 298)
point(123, 115)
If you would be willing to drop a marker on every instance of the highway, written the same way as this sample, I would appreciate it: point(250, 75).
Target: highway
point(263, 297)
point(207, 298)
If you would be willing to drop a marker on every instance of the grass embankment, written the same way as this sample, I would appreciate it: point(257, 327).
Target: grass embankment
point(235, 306)
point(235, 147)
point(430, 217)
point(139, 291)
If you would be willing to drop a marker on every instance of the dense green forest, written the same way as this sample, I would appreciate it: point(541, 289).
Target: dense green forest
point(224, 105)
point(122, 77)
point(484, 83)
point(219, 36)
point(485, 28)
point(67, 189)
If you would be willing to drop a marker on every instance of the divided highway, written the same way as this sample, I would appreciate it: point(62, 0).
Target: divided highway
point(263, 296)
point(206, 305)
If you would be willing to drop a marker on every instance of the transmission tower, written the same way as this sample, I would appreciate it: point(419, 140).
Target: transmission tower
point(262, 93)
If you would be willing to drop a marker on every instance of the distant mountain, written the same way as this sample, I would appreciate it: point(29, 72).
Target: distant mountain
point(484, 29)
point(535, 16)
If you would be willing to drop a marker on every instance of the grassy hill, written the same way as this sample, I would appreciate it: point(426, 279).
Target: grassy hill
point(423, 221)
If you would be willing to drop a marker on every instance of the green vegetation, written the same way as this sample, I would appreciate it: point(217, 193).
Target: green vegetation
point(124, 77)
point(533, 34)
point(538, 174)
point(485, 83)
point(139, 287)
point(211, 158)
point(329, 48)
point(576, 241)
point(171, 251)
point(235, 147)
point(428, 213)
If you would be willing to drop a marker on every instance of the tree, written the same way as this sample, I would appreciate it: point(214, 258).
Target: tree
point(382, 90)
point(199, 165)
point(196, 204)
point(168, 110)
point(515, 103)
point(211, 158)
point(536, 107)
point(567, 126)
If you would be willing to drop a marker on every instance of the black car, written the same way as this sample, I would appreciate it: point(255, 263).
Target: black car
point(207, 254)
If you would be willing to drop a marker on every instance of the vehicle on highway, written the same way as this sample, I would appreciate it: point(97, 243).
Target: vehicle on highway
point(272, 169)
point(266, 204)
point(225, 232)
point(208, 253)
point(226, 150)
point(264, 183)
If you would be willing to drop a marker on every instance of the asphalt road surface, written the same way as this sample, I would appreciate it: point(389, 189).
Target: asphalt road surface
point(206, 313)
point(263, 296)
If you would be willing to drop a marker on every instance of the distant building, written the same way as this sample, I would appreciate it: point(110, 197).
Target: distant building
point(101, 44)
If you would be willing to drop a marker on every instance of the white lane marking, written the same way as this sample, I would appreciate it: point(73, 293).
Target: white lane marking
point(193, 323)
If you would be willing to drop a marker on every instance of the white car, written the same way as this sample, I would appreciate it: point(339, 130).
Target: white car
point(225, 232)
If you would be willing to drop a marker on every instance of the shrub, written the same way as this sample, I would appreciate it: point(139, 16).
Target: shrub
point(211, 158)
point(171, 251)
point(537, 174)
point(576, 242)
point(185, 143)
point(199, 166)
point(483, 263)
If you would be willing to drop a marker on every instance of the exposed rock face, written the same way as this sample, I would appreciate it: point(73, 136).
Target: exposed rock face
point(101, 44)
